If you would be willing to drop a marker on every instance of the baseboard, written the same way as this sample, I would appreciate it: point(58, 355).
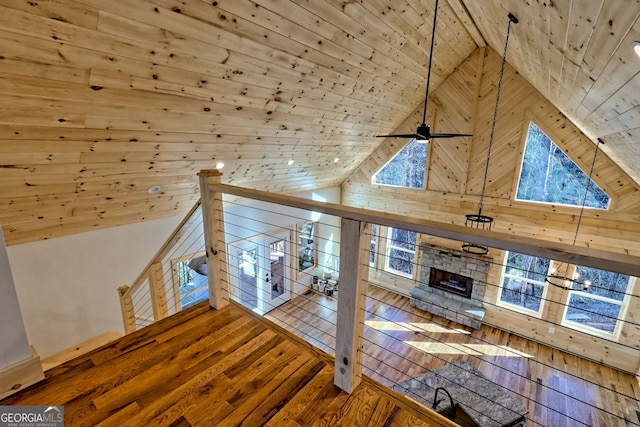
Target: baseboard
point(21, 375)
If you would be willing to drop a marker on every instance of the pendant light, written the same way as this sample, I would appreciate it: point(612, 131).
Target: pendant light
point(480, 221)
point(563, 280)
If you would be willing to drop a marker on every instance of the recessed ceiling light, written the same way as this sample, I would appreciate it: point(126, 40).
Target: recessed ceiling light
point(636, 47)
point(290, 162)
point(219, 165)
point(153, 189)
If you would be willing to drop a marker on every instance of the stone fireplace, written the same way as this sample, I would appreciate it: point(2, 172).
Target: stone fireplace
point(451, 285)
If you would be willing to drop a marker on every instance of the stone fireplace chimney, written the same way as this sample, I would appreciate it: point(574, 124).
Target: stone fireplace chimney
point(451, 285)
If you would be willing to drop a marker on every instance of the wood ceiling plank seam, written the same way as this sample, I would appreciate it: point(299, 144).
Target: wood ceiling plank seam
point(323, 54)
point(628, 120)
point(68, 36)
point(621, 101)
point(613, 23)
point(371, 21)
point(27, 48)
point(416, 41)
point(559, 15)
point(9, 146)
point(146, 85)
point(334, 14)
point(237, 126)
point(452, 34)
point(268, 65)
point(66, 11)
point(269, 58)
point(475, 65)
point(52, 157)
point(461, 11)
point(306, 18)
point(148, 14)
point(40, 118)
point(620, 70)
point(417, 32)
point(20, 67)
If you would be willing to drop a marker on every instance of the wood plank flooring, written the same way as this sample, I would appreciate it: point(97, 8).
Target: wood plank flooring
point(205, 367)
point(558, 388)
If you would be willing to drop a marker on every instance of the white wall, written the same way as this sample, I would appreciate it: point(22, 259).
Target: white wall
point(67, 286)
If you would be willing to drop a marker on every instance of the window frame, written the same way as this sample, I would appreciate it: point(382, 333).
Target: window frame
point(624, 307)
point(389, 247)
point(309, 245)
point(426, 167)
point(175, 278)
point(518, 172)
point(518, 308)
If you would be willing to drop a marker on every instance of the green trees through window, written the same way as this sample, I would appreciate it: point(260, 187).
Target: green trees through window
point(523, 283)
point(600, 305)
point(548, 175)
point(405, 169)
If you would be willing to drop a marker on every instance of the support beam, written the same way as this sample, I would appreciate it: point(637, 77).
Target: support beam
point(214, 238)
point(355, 240)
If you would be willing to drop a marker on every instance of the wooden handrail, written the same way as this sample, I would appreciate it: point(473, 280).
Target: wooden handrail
point(604, 260)
point(164, 249)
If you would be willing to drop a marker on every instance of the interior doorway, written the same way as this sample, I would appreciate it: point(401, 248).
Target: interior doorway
point(261, 271)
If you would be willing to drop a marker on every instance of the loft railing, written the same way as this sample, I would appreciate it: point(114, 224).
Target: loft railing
point(166, 285)
point(357, 327)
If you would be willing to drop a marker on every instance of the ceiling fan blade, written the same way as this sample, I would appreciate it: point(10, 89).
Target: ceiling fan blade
point(407, 135)
point(448, 135)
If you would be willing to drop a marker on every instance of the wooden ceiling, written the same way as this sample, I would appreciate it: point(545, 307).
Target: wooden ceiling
point(101, 99)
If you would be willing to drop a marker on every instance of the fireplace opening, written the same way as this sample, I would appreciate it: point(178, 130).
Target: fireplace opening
point(451, 282)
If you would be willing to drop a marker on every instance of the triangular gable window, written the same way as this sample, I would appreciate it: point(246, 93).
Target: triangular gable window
point(406, 168)
point(548, 175)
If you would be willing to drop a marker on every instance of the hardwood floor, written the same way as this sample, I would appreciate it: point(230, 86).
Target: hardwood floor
point(205, 367)
point(558, 389)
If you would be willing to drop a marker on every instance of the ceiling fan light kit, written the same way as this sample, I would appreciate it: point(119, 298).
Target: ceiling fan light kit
point(480, 221)
point(423, 133)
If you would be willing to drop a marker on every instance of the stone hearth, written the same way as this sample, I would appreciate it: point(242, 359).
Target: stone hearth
point(451, 306)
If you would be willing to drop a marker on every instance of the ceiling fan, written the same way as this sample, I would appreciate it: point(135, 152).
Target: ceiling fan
point(423, 133)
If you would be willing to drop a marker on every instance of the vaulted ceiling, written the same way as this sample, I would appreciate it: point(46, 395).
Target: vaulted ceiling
point(101, 99)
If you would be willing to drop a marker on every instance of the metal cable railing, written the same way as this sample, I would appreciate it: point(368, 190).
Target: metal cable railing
point(273, 254)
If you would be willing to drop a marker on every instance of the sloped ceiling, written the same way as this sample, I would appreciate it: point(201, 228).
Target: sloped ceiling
point(102, 99)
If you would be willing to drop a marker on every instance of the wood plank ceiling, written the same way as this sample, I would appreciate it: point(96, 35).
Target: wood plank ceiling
point(102, 99)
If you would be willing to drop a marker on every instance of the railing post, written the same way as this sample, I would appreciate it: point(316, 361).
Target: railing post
point(158, 291)
point(355, 240)
point(214, 238)
point(126, 305)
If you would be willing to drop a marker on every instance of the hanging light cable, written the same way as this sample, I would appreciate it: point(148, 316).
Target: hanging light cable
point(479, 220)
point(574, 281)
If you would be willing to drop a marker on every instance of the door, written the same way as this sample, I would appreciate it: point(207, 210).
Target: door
point(260, 271)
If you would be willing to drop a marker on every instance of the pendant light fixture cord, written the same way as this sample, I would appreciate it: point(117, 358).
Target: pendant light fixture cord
point(512, 19)
point(586, 190)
